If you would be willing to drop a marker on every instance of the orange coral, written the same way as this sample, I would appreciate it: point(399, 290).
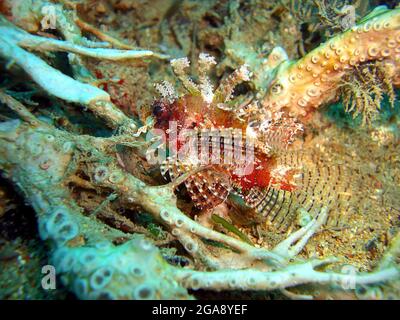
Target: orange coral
point(302, 86)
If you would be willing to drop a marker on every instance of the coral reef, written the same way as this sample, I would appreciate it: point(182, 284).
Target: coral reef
point(93, 267)
point(114, 230)
point(303, 86)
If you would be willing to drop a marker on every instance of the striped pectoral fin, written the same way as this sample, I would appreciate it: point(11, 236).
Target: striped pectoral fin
point(171, 168)
point(273, 205)
point(208, 188)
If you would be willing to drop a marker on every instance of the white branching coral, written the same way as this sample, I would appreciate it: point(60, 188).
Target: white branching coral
point(12, 43)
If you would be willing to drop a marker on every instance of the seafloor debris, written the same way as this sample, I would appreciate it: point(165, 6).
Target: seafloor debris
point(319, 201)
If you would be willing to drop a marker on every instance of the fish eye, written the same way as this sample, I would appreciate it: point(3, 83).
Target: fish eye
point(277, 88)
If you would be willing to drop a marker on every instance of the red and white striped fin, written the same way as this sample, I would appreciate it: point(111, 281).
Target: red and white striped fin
point(208, 188)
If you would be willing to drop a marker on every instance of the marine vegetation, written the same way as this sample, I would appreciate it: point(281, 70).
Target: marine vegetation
point(171, 149)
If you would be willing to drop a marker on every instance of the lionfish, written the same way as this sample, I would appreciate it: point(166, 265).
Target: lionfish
point(270, 179)
point(232, 146)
